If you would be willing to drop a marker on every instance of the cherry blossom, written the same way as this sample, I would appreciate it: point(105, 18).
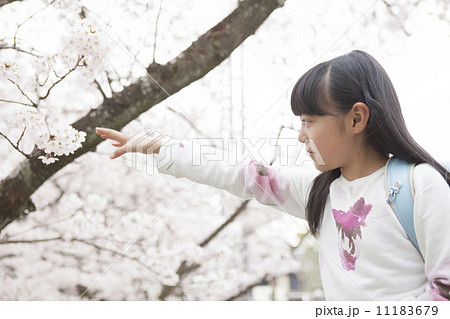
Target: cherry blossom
point(58, 140)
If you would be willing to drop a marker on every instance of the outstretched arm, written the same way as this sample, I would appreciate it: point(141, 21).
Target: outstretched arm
point(283, 188)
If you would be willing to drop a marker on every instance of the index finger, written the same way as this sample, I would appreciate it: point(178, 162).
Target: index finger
point(110, 133)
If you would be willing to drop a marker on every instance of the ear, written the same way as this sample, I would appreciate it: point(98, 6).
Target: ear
point(360, 116)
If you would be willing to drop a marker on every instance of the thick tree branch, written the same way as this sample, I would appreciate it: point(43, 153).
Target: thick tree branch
point(201, 57)
point(5, 2)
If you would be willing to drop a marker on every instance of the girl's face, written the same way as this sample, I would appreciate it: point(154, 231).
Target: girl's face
point(327, 140)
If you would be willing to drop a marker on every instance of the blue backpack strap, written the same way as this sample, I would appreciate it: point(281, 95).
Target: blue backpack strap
point(400, 195)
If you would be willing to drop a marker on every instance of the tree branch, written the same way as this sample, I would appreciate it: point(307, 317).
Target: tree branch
point(16, 146)
point(20, 138)
point(83, 241)
point(8, 256)
point(186, 268)
point(62, 77)
point(399, 21)
point(11, 47)
point(23, 93)
point(186, 118)
point(29, 18)
point(5, 2)
point(231, 219)
point(114, 252)
point(156, 30)
point(248, 288)
point(208, 51)
point(282, 127)
point(32, 241)
point(15, 102)
point(100, 89)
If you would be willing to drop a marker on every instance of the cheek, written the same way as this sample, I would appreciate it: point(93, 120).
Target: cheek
point(326, 137)
point(326, 143)
point(331, 150)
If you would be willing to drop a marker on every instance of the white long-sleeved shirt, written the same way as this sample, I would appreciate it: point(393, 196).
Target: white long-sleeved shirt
point(365, 254)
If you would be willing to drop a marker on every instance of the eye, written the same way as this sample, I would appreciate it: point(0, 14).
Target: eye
point(305, 122)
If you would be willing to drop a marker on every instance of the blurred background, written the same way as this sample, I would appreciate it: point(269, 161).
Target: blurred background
point(105, 230)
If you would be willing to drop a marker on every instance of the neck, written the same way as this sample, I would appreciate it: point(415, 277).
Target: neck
point(363, 164)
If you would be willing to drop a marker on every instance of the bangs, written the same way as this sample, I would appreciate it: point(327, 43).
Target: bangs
point(310, 93)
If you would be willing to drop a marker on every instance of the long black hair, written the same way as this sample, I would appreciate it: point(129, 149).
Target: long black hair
point(340, 83)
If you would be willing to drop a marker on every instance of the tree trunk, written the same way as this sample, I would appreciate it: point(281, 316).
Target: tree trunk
point(208, 51)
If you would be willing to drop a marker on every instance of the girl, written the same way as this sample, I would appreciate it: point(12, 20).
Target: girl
point(351, 124)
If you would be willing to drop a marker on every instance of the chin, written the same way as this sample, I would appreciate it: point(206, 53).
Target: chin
point(322, 168)
point(319, 167)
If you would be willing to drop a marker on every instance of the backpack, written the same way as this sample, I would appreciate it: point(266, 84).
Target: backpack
point(400, 194)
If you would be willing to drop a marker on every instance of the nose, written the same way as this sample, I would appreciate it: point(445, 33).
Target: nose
point(302, 136)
